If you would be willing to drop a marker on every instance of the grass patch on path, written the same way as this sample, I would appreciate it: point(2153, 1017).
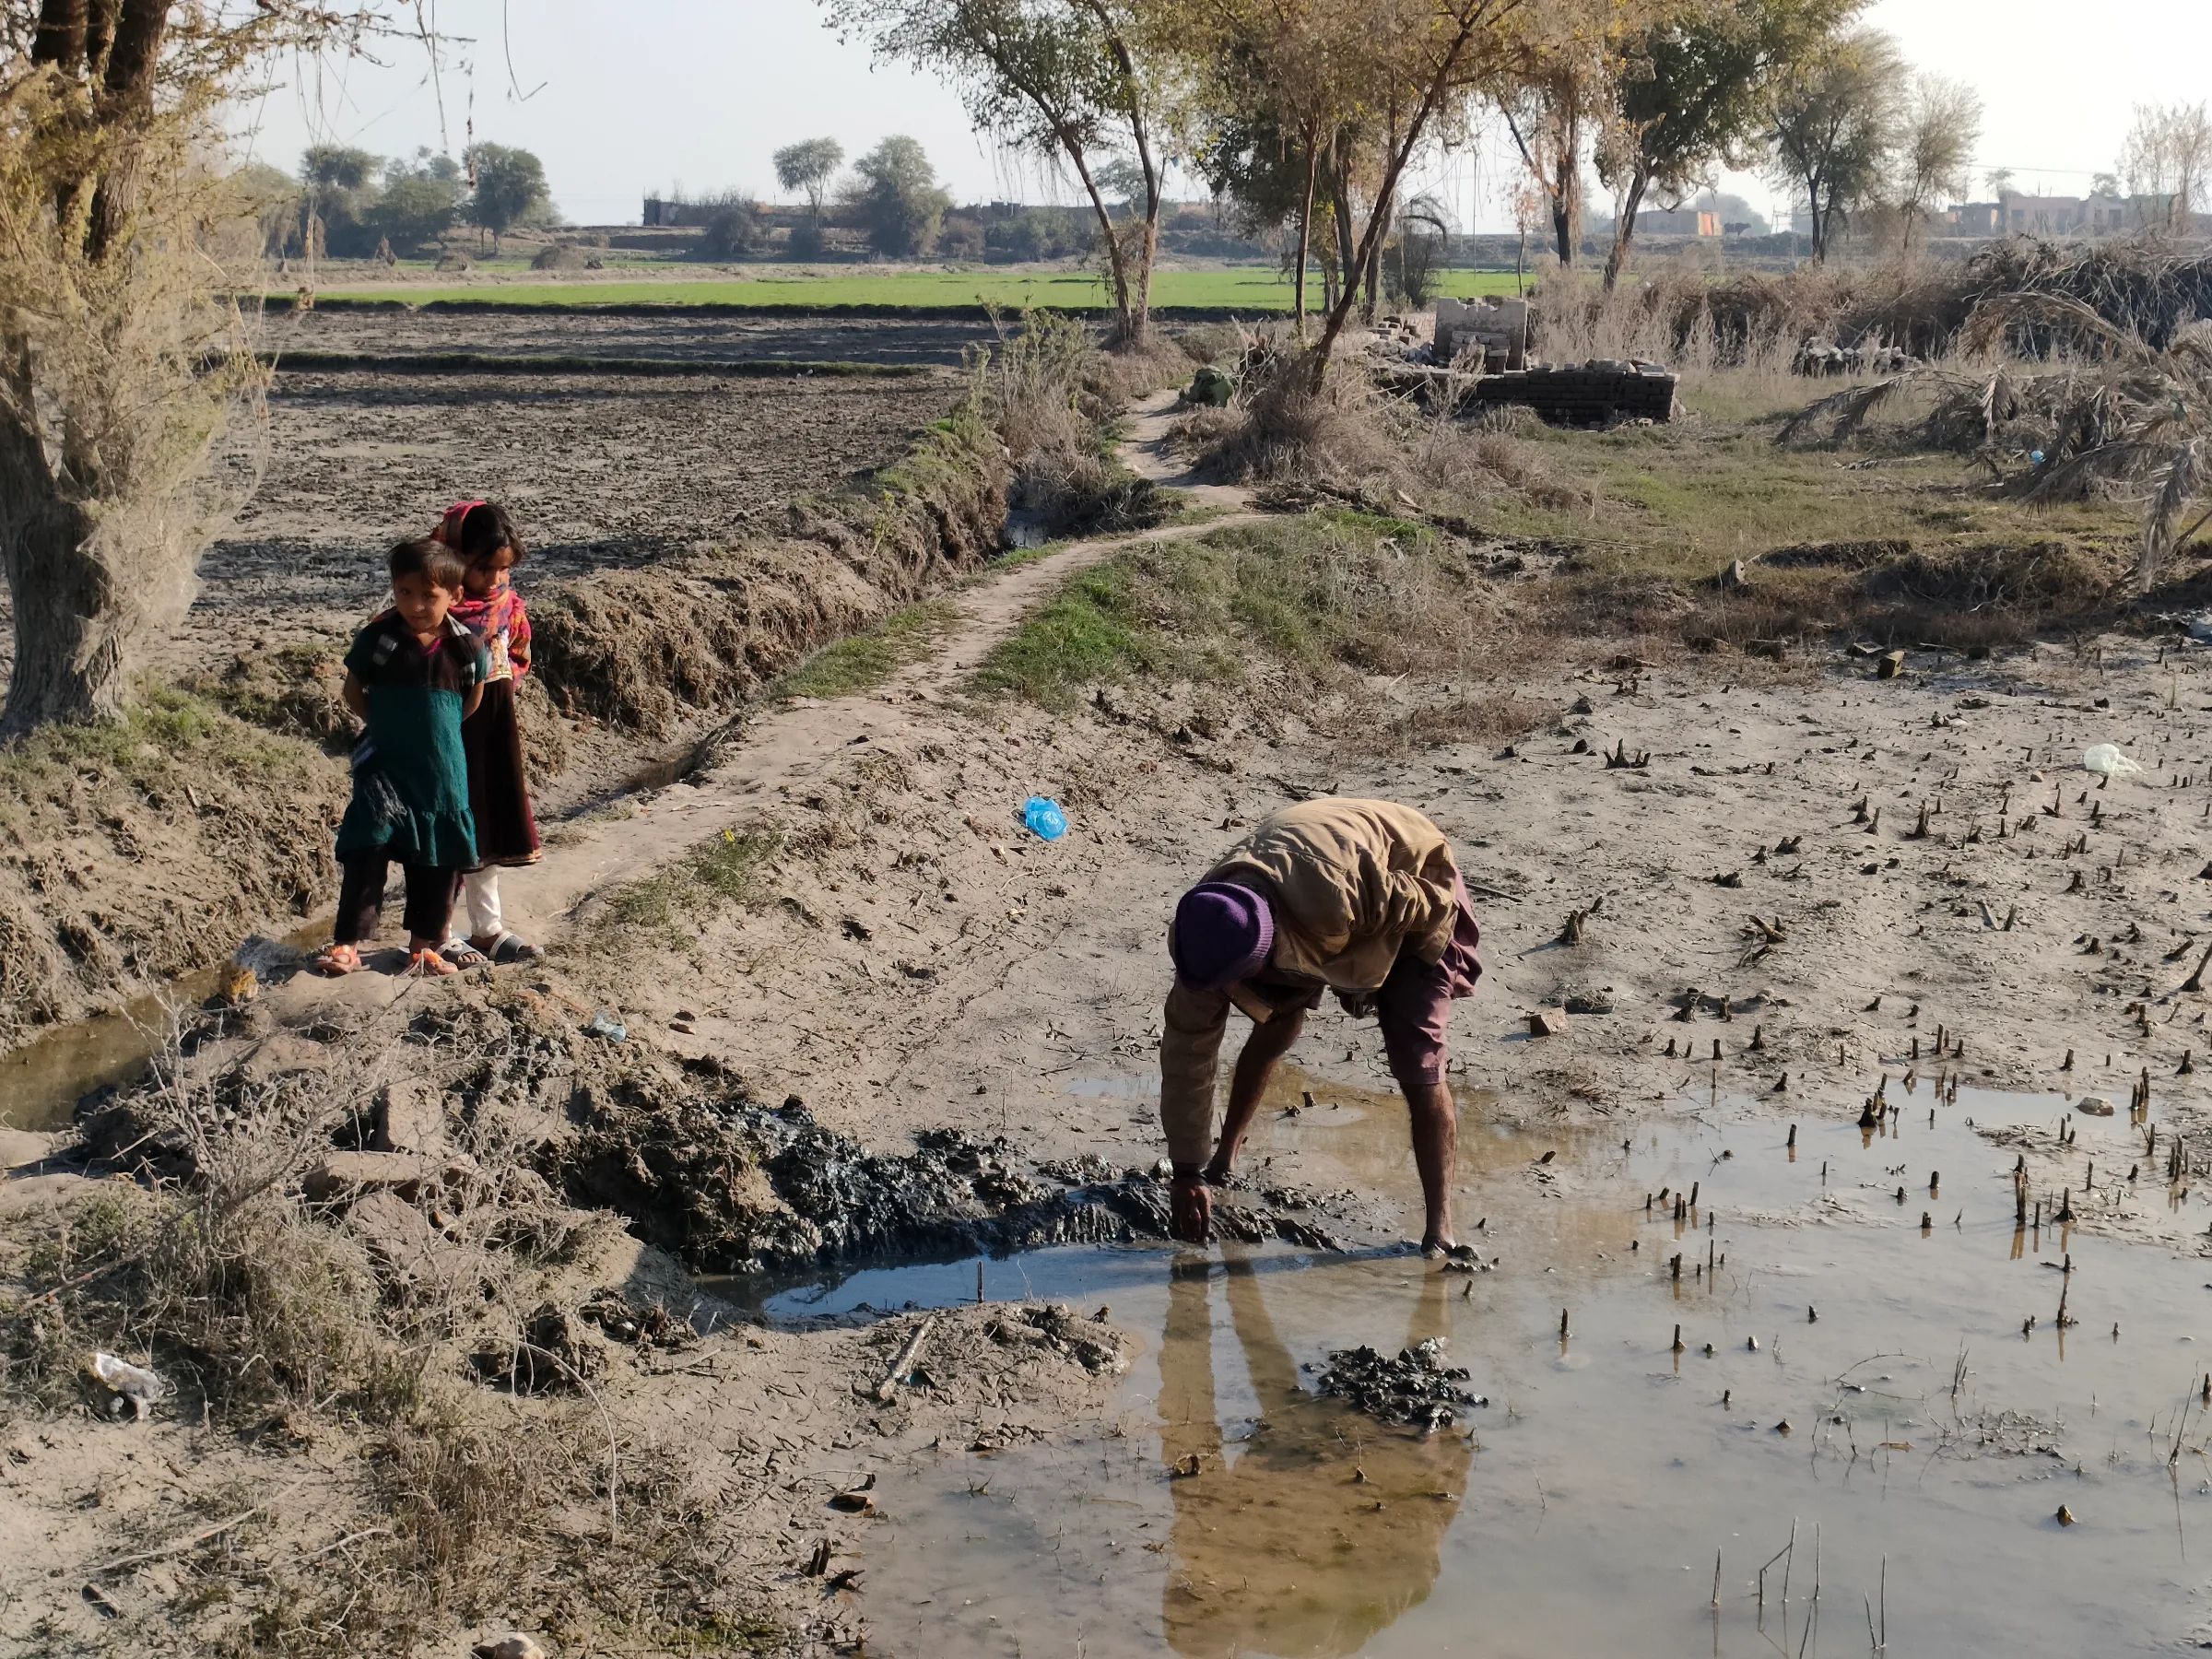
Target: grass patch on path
point(1245, 288)
point(862, 660)
point(1312, 601)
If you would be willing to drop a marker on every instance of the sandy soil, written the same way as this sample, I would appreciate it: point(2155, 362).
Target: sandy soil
point(913, 957)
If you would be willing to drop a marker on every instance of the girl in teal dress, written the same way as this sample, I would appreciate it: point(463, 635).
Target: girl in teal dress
point(413, 675)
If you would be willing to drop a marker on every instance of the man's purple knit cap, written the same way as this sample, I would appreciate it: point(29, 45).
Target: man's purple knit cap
point(1222, 934)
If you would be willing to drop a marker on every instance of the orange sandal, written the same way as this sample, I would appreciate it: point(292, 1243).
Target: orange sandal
point(427, 964)
point(336, 960)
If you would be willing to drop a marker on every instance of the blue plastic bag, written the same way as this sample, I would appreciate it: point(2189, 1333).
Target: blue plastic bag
point(1043, 817)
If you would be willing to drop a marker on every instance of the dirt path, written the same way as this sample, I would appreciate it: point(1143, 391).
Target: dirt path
point(785, 751)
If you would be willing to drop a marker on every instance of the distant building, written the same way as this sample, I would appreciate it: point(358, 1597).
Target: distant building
point(1677, 221)
point(659, 211)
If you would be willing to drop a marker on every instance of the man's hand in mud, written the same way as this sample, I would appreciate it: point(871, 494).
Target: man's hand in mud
point(1191, 1207)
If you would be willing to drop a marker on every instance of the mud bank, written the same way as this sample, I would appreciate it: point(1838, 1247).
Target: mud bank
point(135, 857)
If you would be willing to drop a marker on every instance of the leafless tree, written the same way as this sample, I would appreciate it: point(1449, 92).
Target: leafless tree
point(1936, 148)
point(2168, 157)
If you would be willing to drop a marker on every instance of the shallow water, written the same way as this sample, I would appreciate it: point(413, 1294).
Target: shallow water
point(41, 1082)
point(1581, 1510)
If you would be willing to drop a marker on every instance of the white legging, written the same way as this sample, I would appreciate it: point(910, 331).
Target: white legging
point(481, 888)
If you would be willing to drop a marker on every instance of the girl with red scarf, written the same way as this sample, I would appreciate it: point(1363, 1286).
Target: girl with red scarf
point(498, 791)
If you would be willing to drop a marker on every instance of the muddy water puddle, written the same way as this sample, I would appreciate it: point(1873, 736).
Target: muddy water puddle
point(1929, 1442)
point(41, 1082)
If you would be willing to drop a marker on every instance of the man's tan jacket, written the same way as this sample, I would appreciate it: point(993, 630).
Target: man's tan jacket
point(1350, 884)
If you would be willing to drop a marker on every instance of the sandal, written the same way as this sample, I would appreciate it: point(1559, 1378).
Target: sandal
point(427, 964)
point(336, 960)
point(462, 954)
point(507, 949)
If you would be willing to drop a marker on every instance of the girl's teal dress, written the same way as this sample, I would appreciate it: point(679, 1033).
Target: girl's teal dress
point(410, 773)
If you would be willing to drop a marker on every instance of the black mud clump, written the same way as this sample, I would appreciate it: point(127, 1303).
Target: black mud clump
point(1416, 1389)
point(731, 1186)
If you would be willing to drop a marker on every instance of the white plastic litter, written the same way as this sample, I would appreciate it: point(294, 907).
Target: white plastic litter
point(141, 1387)
point(2107, 758)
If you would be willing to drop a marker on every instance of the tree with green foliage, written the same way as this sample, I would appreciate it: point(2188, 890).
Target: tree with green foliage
point(1693, 96)
point(1834, 117)
point(896, 195)
point(419, 202)
point(1406, 70)
point(508, 190)
point(808, 167)
point(1075, 81)
point(340, 183)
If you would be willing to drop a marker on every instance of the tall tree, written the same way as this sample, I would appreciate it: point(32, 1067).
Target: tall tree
point(121, 354)
point(896, 191)
point(1408, 67)
point(1076, 81)
point(808, 167)
point(1691, 97)
point(510, 188)
point(1554, 93)
point(1935, 147)
point(1834, 128)
point(2168, 157)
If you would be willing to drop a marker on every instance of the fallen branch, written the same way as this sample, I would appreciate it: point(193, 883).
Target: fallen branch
point(175, 1545)
point(908, 1356)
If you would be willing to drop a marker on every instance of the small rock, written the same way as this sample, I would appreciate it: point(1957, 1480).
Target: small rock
point(1890, 665)
point(509, 1647)
point(2065, 1515)
point(2094, 1106)
point(1547, 1022)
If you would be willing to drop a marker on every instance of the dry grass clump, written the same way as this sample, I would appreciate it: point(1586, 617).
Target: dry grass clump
point(1283, 429)
point(2134, 423)
point(2146, 286)
point(1052, 397)
point(1485, 458)
point(1496, 716)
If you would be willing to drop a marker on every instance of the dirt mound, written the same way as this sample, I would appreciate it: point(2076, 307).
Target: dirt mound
point(731, 1186)
point(130, 854)
point(646, 649)
point(1416, 1389)
point(1836, 556)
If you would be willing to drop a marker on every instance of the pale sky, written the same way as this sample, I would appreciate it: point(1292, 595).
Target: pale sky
point(700, 98)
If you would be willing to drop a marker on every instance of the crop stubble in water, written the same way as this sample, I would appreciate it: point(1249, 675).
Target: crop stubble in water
point(1580, 1513)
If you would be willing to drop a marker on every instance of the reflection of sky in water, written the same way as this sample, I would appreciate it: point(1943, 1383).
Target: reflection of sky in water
point(1584, 1512)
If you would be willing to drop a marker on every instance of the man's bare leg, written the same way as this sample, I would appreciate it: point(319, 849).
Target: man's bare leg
point(1266, 1046)
point(1436, 1156)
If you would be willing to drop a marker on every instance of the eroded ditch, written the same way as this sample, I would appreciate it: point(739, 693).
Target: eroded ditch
point(1930, 1439)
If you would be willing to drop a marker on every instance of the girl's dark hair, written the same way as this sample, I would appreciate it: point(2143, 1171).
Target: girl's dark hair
point(432, 560)
point(485, 529)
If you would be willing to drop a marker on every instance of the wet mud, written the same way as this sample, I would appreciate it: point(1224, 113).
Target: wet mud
point(734, 1188)
point(1904, 1394)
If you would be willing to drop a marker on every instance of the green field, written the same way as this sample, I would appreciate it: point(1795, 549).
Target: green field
point(1245, 289)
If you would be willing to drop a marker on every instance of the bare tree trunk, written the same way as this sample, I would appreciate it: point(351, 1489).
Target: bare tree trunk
point(1117, 272)
point(68, 666)
point(1432, 98)
point(1618, 261)
point(1305, 227)
point(61, 34)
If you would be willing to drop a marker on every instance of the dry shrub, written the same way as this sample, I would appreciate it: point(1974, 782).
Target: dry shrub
point(1210, 343)
point(1052, 396)
point(1483, 458)
point(1485, 717)
point(1283, 429)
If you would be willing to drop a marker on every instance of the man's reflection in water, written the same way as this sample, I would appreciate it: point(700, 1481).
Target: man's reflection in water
point(1326, 1526)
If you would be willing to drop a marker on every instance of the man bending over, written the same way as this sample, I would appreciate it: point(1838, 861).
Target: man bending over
point(1362, 898)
